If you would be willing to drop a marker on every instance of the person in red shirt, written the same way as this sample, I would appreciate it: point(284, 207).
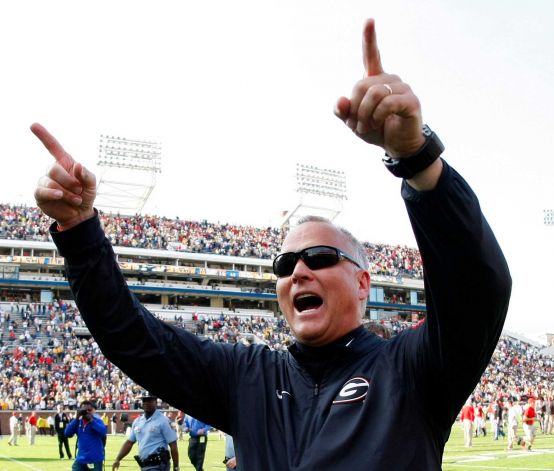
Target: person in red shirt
point(467, 417)
point(32, 427)
point(529, 417)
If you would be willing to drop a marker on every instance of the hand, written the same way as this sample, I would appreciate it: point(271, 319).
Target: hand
point(389, 120)
point(200, 431)
point(115, 465)
point(231, 463)
point(67, 192)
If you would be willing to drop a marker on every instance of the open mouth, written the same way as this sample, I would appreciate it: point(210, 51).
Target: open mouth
point(306, 302)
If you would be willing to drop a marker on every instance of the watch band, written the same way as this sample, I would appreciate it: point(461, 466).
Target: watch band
point(407, 167)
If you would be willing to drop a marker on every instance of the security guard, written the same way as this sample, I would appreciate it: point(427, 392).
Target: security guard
point(198, 441)
point(154, 435)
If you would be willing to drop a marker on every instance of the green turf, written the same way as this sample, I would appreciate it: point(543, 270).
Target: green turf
point(486, 454)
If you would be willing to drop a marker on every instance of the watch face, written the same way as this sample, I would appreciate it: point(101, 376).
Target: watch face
point(426, 130)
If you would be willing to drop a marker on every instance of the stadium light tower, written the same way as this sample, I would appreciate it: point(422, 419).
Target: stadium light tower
point(321, 192)
point(548, 217)
point(128, 170)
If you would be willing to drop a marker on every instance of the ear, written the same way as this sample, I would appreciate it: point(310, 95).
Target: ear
point(364, 283)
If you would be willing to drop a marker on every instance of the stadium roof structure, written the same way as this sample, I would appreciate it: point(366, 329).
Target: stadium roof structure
point(128, 170)
point(321, 192)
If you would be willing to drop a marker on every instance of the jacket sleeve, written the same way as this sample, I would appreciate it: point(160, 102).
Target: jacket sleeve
point(467, 287)
point(98, 426)
point(188, 373)
point(71, 428)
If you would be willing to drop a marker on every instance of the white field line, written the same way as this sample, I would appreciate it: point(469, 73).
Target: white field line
point(21, 463)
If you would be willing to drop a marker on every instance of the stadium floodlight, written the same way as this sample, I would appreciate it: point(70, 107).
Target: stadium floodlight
point(130, 154)
point(321, 192)
point(548, 217)
point(320, 181)
point(128, 173)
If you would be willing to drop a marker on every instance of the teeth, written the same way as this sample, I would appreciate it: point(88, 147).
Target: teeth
point(302, 296)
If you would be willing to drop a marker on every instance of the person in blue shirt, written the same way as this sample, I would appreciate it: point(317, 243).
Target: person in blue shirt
point(154, 435)
point(198, 441)
point(91, 438)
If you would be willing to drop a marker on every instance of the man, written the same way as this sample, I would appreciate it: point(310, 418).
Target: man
point(51, 425)
point(529, 417)
point(91, 438)
point(198, 441)
point(550, 414)
point(514, 418)
point(319, 405)
point(114, 423)
point(14, 429)
point(60, 423)
point(498, 420)
point(230, 460)
point(467, 417)
point(154, 435)
point(31, 425)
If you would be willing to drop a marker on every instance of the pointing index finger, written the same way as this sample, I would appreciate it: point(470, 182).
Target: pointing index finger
point(372, 58)
point(53, 146)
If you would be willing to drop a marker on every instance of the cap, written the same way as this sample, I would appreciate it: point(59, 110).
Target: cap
point(148, 397)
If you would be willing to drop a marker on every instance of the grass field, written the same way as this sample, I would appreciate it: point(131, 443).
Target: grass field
point(486, 454)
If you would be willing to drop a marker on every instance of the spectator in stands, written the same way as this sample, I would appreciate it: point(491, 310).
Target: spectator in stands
point(191, 236)
point(322, 289)
point(380, 330)
point(91, 436)
point(61, 420)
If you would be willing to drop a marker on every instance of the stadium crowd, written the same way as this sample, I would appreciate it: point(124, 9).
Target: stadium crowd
point(154, 232)
point(50, 364)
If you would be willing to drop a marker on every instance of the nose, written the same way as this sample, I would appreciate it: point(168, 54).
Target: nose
point(301, 271)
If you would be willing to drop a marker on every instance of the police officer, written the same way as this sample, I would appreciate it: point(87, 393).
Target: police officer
point(154, 435)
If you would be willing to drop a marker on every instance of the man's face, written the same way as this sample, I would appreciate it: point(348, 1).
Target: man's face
point(321, 305)
point(149, 405)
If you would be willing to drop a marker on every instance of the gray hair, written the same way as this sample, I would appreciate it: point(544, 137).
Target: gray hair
point(360, 253)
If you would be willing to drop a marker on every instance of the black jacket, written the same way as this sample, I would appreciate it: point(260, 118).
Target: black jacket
point(60, 423)
point(380, 405)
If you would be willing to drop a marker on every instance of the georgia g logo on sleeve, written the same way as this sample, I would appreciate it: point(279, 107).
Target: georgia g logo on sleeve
point(354, 390)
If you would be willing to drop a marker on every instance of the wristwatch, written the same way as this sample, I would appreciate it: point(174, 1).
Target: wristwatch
point(407, 167)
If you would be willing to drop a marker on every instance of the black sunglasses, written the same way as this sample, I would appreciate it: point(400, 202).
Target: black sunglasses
point(315, 258)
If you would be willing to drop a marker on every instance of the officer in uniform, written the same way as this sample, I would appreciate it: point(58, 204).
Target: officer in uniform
point(154, 435)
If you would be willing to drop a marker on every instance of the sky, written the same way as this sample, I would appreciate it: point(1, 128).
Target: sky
point(240, 92)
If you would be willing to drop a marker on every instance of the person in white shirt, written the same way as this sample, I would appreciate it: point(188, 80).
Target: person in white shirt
point(514, 418)
point(14, 430)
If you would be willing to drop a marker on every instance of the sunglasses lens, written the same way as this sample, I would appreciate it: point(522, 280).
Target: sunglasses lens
point(284, 264)
point(320, 257)
point(315, 258)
